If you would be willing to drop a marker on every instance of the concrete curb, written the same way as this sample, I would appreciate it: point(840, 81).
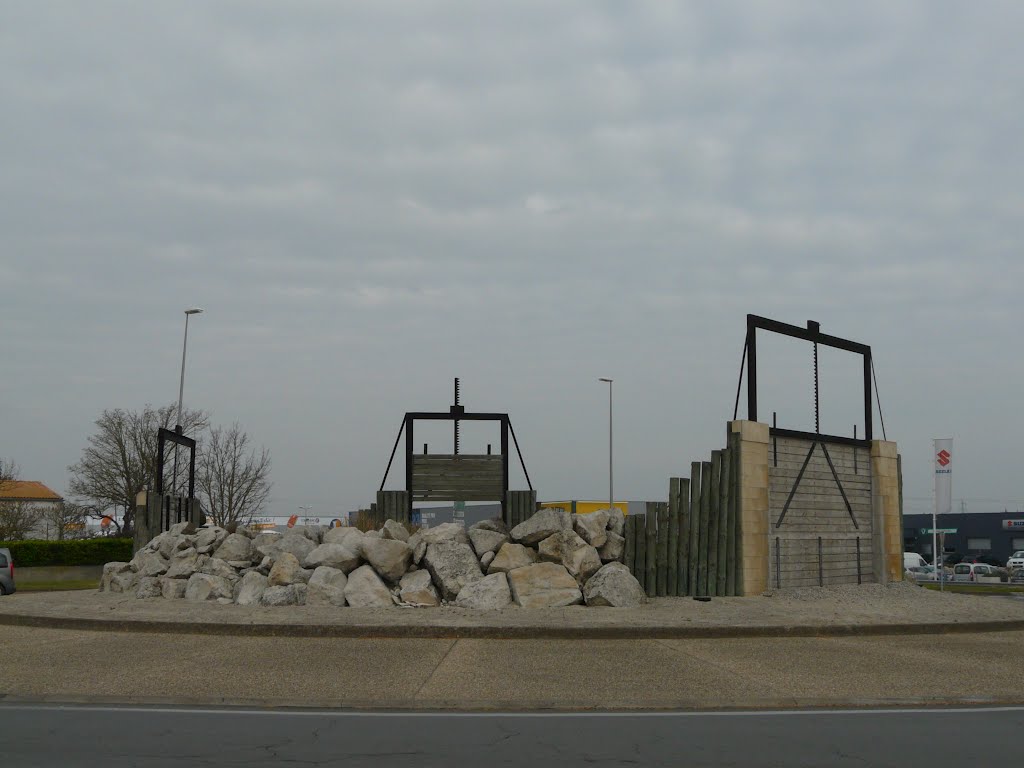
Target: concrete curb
point(538, 707)
point(503, 632)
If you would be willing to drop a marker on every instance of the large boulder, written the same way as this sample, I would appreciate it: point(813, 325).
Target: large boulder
point(544, 585)
point(333, 555)
point(615, 586)
point(293, 544)
point(390, 558)
point(485, 541)
point(393, 529)
point(613, 548)
point(365, 589)
point(149, 586)
point(202, 586)
point(149, 564)
point(287, 594)
point(264, 543)
point(315, 533)
point(185, 563)
point(172, 589)
point(510, 557)
point(236, 547)
point(495, 524)
point(491, 593)
point(125, 581)
point(168, 543)
point(217, 567)
point(443, 532)
point(592, 527)
point(250, 588)
point(452, 565)
point(208, 539)
point(568, 549)
point(327, 587)
point(544, 523)
point(417, 589)
point(616, 521)
point(347, 536)
point(182, 529)
point(286, 570)
point(109, 571)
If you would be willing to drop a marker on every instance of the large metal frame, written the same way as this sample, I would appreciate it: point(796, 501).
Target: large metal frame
point(175, 436)
point(455, 413)
point(812, 333)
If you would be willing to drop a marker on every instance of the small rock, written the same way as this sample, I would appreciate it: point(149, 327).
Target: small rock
point(495, 524)
point(417, 589)
point(613, 585)
point(491, 593)
point(179, 529)
point(617, 521)
point(365, 589)
point(286, 594)
point(486, 560)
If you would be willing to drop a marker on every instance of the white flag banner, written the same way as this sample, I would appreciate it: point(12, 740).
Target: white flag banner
point(943, 462)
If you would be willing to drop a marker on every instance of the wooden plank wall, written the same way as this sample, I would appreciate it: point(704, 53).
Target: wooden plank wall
point(465, 477)
point(393, 505)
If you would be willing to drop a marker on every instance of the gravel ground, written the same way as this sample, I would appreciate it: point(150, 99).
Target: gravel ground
point(870, 604)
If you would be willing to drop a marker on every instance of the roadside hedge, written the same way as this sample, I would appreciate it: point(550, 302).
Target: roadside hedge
point(32, 553)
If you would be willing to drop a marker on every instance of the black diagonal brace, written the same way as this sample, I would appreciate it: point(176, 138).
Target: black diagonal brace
point(792, 491)
point(839, 484)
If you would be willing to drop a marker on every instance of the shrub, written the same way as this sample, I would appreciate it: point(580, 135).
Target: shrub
point(31, 553)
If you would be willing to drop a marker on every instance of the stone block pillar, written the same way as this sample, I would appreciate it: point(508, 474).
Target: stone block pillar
point(751, 439)
point(885, 510)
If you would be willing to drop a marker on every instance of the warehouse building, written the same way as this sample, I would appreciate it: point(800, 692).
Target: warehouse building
point(998, 534)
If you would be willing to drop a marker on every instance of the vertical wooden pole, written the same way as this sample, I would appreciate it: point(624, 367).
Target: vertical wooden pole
point(662, 560)
point(640, 551)
point(705, 512)
point(672, 583)
point(651, 518)
point(693, 563)
point(723, 524)
point(682, 553)
point(714, 518)
point(629, 546)
point(731, 577)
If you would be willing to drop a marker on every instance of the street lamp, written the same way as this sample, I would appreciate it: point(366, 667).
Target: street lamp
point(181, 390)
point(611, 495)
point(305, 518)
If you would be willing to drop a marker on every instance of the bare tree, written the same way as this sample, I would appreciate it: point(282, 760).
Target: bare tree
point(120, 459)
point(8, 472)
point(62, 520)
point(17, 519)
point(232, 476)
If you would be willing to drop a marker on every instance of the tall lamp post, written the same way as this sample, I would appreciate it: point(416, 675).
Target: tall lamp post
point(181, 391)
point(611, 494)
point(305, 511)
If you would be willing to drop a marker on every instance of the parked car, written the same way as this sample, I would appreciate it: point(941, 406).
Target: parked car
point(1016, 560)
point(986, 559)
point(6, 572)
point(922, 573)
point(976, 572)
point(913, 560)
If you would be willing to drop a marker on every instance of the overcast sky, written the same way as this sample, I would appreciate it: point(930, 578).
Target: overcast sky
point(369, 199)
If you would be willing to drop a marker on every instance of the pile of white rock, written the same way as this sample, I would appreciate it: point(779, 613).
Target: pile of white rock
point(553, 559)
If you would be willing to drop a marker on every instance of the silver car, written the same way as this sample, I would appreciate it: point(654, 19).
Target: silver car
point(6, 572)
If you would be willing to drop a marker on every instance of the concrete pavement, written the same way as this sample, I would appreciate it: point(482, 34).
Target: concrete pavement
point(469, 674)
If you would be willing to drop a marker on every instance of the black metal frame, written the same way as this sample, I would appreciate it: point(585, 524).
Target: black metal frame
point(455, 414)
point(812, 333)
point(175, 436)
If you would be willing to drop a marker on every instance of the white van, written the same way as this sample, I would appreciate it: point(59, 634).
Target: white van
point(913, 560)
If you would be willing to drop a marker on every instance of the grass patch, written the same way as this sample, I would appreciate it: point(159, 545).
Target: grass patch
point(58, 586)
point(981, 589)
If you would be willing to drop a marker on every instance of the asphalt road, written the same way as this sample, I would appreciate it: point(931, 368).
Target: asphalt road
point(48, 735)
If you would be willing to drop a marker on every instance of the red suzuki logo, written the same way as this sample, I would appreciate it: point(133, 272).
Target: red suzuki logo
point(943, 457)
